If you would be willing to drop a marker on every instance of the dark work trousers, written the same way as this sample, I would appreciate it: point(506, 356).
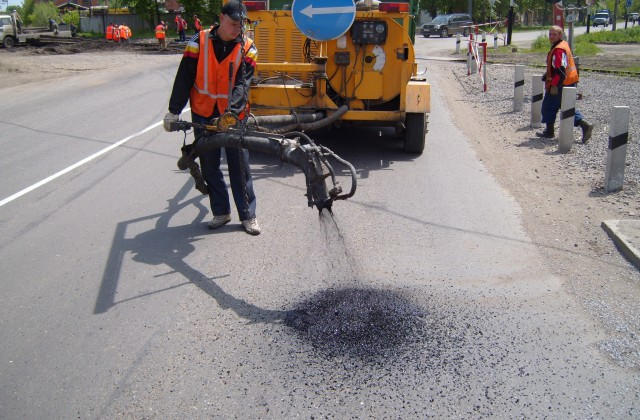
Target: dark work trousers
point(239, 177)
point(551, 105)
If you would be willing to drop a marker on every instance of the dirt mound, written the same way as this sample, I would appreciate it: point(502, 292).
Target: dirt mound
point(80, 45)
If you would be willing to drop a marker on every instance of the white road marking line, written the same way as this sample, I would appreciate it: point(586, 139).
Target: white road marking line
point(78, 164)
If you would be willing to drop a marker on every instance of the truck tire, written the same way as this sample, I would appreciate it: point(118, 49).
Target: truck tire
point(9, 42)
point(416, 130)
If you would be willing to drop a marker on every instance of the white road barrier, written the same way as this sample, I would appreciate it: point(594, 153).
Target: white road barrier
point(518, 87)
point(617, 151)
point(537, 88)
point(567, 115)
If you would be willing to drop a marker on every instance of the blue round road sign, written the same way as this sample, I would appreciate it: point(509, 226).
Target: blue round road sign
point(323, 20)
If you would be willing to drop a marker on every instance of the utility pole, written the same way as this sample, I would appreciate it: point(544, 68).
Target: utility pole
point(470, 7)
point(510, 22)
point(615, 15)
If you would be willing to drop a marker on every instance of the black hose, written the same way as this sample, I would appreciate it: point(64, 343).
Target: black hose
point(289, 118)
point(314, 125)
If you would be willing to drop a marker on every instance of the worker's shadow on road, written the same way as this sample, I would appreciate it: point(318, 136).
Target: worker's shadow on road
point(170, 245)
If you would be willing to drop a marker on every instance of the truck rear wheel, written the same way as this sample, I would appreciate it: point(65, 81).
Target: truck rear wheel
point(9, 42)
point(416, 129)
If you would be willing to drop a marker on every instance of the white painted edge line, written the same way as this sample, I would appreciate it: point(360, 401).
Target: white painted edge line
point(79, 163)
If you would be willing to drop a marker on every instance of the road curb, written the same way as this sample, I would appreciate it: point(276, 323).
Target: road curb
point(626, 235)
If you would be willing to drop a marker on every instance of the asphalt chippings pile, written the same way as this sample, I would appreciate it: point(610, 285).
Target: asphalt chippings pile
point(364, 323)
point(350, 319)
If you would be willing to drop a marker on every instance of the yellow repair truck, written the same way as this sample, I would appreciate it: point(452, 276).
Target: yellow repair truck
point(366, 75)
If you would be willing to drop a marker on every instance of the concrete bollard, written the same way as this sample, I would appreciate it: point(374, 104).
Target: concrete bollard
point(518, 87)
point(567, 116)
point(484, 36)
point(458, 43)
point(495, 40)
point(617, 151)
point(537, 87)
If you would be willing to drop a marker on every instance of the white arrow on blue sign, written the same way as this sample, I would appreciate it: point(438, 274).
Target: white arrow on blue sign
point(323, 20)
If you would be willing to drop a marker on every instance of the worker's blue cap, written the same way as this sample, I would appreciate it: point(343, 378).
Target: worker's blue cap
point(235, 10)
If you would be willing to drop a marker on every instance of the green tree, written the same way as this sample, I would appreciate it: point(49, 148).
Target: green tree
point(26, 11)
point(72, 17)
point(146, 9)
point(192, 7)
point(42, 12)
point(212, 11)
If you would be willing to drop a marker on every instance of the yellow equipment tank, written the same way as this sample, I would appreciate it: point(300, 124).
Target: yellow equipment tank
point(370, 70)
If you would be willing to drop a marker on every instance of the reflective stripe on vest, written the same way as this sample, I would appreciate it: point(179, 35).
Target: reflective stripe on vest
point(214, 81)
point(571, 73)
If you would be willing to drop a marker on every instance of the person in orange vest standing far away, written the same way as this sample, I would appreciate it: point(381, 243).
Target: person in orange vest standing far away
point(197, 24)
point(109, 34)
point(161, 35)
point(123, 33)
point(116, 33)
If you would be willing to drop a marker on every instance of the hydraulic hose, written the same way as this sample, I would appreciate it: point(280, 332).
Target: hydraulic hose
point(313, 125)
point(306, 157)
point(286, 119)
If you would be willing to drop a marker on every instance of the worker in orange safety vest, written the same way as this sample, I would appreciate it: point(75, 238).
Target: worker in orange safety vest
point(215, 77)
point(109, 34)
point(561, 72)
point(116, 33)
point(161, 35)
point(197, 24)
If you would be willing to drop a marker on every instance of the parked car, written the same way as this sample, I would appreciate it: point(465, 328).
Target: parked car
point(447, 25)
point(600, 18)
point(634, 17)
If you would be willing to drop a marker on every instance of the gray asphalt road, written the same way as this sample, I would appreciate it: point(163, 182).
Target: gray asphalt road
point(421, 296)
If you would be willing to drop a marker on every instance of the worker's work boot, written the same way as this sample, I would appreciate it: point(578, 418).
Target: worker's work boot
point(219, 220)
point(587, 129)
point(251, 226)
point(547, 133)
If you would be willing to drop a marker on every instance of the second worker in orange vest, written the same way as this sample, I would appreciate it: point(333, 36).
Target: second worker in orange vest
point(161, 35)
point(561, 71)
point(214, 76)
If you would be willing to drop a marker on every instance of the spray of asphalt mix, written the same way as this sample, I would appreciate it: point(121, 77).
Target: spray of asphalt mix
point(350, 319)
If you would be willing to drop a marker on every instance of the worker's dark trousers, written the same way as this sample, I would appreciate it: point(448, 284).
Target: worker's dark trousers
point(239, 176)
point(551, 105)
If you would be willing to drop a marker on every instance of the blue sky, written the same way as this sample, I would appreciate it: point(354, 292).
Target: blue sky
point(11, 3)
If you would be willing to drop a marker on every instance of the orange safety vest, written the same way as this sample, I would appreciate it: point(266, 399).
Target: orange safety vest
point(116, 34)
point(198, 25)
point(123, 32)
point(212, 86)
point(571, 75)
point(160, 31)
point(110, 32)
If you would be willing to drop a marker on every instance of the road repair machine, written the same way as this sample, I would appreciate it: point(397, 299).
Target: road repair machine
point(323, 63)
point(354, 62)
